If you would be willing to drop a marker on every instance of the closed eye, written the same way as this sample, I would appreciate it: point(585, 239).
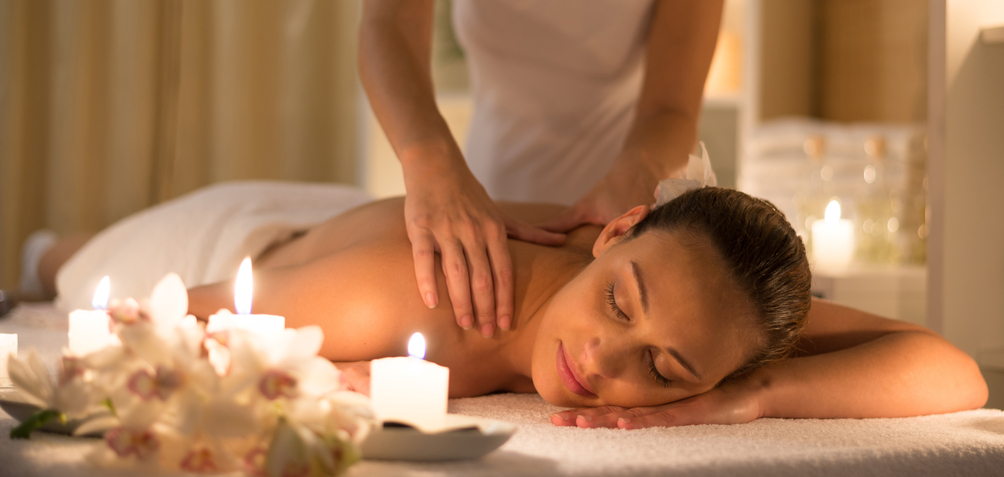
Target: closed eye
point(612, 302)
point(652, 370)
point(659, 378)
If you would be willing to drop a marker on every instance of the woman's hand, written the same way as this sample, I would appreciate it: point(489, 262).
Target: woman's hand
point(356, 376)
point(728, 404)
point(450, 213)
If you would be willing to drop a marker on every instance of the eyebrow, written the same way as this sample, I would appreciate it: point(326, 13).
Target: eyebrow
point(644, 304)
point(683, 362)
point(641, 286)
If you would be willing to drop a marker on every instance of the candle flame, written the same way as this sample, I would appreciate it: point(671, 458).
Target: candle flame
point(244, 288)
point(832, 213)
point(416, 346)
point(100, 300)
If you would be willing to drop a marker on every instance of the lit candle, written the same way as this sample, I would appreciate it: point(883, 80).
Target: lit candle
point(410, 389)
point(89, 329)
point(8, 346)
point(264, 325)
point(832, 239)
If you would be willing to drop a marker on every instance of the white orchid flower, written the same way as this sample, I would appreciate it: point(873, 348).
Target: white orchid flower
point(72, 397)
point(286, 366)
point(136, 439)
point(278, 410)
point(698, 174)
point(296, 451)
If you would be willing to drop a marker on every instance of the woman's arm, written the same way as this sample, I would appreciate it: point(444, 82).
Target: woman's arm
point(681, 42)
point(852, 365)
point(446, 210)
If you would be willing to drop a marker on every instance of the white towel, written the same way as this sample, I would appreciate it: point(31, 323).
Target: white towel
point(969, 444)
point(202, 236)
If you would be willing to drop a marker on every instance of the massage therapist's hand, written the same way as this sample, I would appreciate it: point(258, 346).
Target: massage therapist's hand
point(624, 187)
point(449, 212)
point(729, 404)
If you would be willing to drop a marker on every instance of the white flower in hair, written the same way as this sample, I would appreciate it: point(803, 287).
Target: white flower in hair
point(699, 174)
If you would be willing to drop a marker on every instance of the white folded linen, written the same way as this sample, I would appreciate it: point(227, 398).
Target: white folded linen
point(202, 236)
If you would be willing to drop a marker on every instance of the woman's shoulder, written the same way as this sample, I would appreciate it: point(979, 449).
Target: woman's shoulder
point(531, 212)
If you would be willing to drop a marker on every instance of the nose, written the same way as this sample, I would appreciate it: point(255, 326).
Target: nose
point(604, 357)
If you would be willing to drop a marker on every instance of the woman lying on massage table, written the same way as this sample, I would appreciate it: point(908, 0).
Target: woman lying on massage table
point(684, 314)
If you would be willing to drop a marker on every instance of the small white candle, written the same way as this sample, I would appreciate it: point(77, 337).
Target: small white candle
point(264, 325)
point(89, 329)
point(410, 389)
point(8, 346)
point(832, 239)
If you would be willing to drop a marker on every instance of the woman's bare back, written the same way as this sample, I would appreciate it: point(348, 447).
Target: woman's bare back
point(353, 276)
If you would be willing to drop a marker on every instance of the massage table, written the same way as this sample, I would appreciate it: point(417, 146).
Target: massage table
point(969, 443)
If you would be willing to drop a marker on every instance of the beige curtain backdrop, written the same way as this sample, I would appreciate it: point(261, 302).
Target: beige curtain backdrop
point(110, 106)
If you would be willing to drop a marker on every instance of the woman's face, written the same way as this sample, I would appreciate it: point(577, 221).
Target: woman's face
point(650, 321)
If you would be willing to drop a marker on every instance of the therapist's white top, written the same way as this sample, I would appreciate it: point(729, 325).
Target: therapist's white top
point(555, 84)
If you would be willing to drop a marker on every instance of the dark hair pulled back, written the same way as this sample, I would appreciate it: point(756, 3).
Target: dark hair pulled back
point(761, 253)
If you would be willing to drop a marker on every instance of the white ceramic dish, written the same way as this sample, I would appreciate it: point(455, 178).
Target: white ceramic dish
point(463, 437)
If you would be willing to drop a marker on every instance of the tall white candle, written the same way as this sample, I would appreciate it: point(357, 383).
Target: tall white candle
point(410, 389)
point(264, 325)
point(222, 321)
point(89, 329)
point(8, 346)
point(832, 239)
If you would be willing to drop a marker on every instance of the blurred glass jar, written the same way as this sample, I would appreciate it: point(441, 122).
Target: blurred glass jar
point(914, 215)
point(816, 190)
point(876, 205)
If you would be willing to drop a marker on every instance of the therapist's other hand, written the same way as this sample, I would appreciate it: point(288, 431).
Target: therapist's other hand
point(728, 404)
point(451, 213)
point(621, 189)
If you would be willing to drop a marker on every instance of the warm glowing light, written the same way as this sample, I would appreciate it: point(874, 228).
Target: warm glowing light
point(244, 288)
point(832, 213)
point(100, 300)
point(416, 346)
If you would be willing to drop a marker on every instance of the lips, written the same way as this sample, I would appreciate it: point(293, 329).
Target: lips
point(567, 375)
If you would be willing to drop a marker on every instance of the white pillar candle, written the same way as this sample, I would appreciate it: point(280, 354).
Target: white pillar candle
point(8, 346)
point(832, 239)
point(410, 389)
point(89, 329)
point(264, 325)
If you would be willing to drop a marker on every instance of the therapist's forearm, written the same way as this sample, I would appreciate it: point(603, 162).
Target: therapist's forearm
point(660, 143)
point(394, 66)
point(679, 47)
point(905, 373)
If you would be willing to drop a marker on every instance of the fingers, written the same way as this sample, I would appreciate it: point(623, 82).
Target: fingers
point(667, 418)
point(501, 266)
point(565, 221)
point(424, 252)
point(481, 285)
point(529, 233)
point(457, 282)
point(588, 414)
point(616, 417)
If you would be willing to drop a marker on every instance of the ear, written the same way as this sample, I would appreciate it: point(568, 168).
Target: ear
point(614, 232)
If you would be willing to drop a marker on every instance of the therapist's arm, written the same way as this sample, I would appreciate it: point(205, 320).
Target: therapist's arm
point(852, 365)
point(446, 209)
point(679, 48)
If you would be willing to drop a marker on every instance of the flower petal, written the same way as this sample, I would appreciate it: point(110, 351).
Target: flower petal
point(169, 301)
point(304, 345)
point(28, 382)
